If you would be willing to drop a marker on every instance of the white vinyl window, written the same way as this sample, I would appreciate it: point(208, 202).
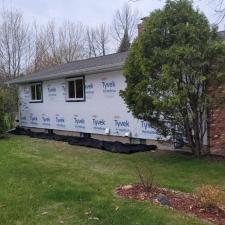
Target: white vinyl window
point(75, 89)
point(36, 92)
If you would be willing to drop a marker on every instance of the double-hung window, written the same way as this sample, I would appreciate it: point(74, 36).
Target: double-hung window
point(75, 89)
point(36, 92)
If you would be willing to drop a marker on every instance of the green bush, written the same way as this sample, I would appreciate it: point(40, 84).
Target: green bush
point(8, 107)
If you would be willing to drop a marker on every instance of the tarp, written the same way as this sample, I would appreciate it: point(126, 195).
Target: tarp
point(109, 146)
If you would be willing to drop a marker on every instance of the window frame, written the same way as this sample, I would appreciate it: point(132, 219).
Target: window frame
point(67, 89)
point(36, 100)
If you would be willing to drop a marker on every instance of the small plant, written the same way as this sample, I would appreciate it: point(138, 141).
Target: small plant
point(146, 177)
point(211, 197)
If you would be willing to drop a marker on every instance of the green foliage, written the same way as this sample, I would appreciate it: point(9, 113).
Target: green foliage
point(125, 43)
point(8, 107)
point(168, 69)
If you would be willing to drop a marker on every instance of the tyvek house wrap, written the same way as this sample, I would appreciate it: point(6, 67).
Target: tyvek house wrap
point(102, 109)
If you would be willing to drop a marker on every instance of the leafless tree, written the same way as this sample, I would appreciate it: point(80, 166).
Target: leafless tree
point(39, 50)
point(125, 20)
point(54, 45)
point(102, 39)
point(219, 9)
point(91, 42)
point(66, 43)
point(52, 37)
point(14, 36)
point(97, 40)
point(71, 41)
point(28, 49)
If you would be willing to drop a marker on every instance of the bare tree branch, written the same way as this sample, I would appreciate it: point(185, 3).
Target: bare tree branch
point(125, 20)
point(97, 40)
point(13, 43)
point(219, 9)
point(71, 41)
point(91, 40)
point(53, 46)
point(102, 39)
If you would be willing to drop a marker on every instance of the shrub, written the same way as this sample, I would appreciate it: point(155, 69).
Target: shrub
point(211, 197)
point(146, 177)
point(8, 107)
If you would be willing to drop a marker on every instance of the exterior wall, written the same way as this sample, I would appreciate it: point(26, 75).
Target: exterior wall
point(67, 133)
point(111, 138)
point(103, 108)
point(216, 123)
point(37, 130)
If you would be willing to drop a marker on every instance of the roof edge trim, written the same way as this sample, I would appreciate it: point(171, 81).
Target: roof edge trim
point(92, 70)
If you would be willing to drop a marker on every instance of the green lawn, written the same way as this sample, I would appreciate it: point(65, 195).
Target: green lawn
point(47, 182)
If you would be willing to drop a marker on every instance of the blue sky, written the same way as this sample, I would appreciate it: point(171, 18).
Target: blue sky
point(90, 12)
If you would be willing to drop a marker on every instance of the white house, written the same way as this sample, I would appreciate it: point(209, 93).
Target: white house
point(81, 98)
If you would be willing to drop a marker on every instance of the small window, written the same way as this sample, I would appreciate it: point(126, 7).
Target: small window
point(75, 89)
point(36, 92)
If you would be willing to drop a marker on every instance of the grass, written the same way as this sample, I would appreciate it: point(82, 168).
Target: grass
point(47, 182)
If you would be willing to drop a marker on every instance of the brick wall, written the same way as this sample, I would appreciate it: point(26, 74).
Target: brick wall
point(216, 121)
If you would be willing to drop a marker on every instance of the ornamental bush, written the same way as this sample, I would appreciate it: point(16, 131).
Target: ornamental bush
point(211, 197)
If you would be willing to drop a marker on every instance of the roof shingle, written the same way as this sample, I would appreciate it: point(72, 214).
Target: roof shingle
point(80, 66)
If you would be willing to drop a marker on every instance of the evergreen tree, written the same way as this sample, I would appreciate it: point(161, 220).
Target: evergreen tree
point(125, 43)
point(169, 69)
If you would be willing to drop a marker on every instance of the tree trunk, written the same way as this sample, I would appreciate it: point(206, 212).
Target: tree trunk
point(197, 140)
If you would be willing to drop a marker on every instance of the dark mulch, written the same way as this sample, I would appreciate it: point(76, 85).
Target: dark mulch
point(116, 147)
point(179, 200)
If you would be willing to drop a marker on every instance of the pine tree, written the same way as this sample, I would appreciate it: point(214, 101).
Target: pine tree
point(125, 43)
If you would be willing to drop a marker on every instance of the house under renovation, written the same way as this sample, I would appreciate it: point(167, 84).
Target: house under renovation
point(82, 98)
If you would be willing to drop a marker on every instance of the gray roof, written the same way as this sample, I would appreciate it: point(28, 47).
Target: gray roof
point(106, 63)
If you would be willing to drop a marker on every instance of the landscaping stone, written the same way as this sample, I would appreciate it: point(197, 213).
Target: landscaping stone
point(127, 187)
point(163, 200)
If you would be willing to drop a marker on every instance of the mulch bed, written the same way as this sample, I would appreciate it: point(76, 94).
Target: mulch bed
point(178, 200)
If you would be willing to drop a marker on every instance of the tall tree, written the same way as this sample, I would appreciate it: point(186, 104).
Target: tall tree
point(13, 43)
point(39, 50)
point(71, 41)
point(91, 42)
point(97, 40)
point(102, 39)
point(169, 68)
point(125, 20)
point(53, 45)
point(125, 43)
